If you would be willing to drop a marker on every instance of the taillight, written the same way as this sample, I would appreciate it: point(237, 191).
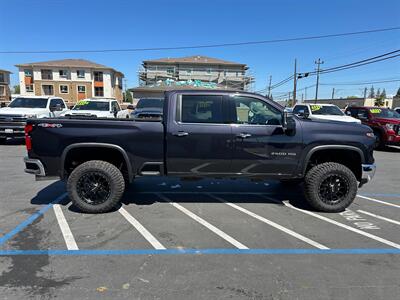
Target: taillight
point(28, 140)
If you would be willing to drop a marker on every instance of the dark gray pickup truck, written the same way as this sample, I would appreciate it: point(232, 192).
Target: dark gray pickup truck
point(203, 134)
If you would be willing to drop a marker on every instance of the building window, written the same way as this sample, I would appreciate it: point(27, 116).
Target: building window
point(47, 74)
point(170, 71)
point(48, 89)
point(2, 91)
point(98, 76)
point(64, 89)
point(28, 73)
point(99, 91)
point(81, 89)
point(80, 73)
point(63, 73)
point(189, 71)
point(29, 88)
point(2, 78)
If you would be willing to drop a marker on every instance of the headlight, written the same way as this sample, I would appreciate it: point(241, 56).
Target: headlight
point(390, 126)
point(30, 116)
point(370, 134)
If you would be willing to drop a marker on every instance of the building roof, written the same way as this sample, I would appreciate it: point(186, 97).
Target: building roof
point(69, 63)
point(172, 88)
point(195, 59)
point(5, 71)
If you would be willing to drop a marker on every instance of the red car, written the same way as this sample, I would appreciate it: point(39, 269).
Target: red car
point(384, 122)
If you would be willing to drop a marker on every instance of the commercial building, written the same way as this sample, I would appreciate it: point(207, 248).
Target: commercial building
point(71, 79)
point(5, 93)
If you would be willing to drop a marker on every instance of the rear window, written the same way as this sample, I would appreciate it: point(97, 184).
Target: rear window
point(29, 102)
point(92, 105)
point(150, 103)
point(201, 109)
point(326, 110)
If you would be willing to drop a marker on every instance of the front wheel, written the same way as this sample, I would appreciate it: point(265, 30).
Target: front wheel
point(330, 187)
point(95, 186)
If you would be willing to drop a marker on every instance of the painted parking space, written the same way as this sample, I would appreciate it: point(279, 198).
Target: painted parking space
point(208, 223)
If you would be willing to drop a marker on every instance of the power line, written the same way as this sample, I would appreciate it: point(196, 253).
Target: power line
point(205, 46)
point(359, 83)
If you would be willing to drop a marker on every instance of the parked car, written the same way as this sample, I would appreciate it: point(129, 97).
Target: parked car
point(203, 134)
point(384, 122)
point(13, 117)
point(126, 113)
point(94, 107)
point(323, 112)
point(148, 108)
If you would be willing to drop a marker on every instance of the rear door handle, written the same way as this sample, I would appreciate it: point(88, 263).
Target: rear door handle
point(180, 133)
point(243, 135)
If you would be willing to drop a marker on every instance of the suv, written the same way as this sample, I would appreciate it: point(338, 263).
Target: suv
point(13, 117)
point(322, 112)
point(95, 107)
point(384, 122)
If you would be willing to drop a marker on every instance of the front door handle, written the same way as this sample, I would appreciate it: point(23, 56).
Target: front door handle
point(243, 135)
point(180, 134)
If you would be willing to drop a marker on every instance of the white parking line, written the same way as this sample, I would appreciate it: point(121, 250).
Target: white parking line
point(378, 217)
point(369, 235)
point(143, 231)
point(379, 201)
point(65, 230)
point(203, 222)
point(273, 224)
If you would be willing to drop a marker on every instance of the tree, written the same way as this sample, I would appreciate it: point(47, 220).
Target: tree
point(128, 97)
point(383, 94)
point(17, 89)
point(371, 92)
point(398, 93)
point(378, 94)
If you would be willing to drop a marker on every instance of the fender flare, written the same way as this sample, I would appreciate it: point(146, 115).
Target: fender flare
point(98, 145)
point(331, 147)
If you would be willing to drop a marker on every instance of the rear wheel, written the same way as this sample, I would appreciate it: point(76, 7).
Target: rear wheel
point(330, 187)
point(378, 140)
point(96, 186)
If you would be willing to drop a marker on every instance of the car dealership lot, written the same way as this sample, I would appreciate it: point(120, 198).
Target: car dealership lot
point(209, 239)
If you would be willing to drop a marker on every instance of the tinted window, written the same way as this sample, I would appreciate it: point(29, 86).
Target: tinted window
point(254, 111)
point(29, 102)
point(55, 102)
point(92, 105)
point(146, 103)
point(201, 109)
point(384, 113)
point(115, 106)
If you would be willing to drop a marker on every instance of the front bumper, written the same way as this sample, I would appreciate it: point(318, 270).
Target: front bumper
point(12, 129)
point(368, 172)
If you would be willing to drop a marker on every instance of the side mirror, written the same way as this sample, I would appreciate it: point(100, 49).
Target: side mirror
point(362, 117)
point(56, 107)
point(288, 123)
point(348, 113)
point(130, 107)
point(303, 114)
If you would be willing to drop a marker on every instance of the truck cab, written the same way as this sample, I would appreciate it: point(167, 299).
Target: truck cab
point(94, 107)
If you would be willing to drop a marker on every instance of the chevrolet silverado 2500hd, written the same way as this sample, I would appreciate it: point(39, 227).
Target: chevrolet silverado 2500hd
point(203, 134)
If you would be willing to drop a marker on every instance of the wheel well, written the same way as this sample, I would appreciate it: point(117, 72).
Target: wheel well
point(349, 158)
point(79, 155)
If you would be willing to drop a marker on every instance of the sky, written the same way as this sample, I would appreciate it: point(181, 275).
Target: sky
point(98, 24)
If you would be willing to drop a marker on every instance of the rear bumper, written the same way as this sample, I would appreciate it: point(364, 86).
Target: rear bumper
point(34, 166)
point(368, 172)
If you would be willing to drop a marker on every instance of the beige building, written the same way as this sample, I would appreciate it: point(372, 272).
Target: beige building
point(222, 73)
point(5, 93)
point(71, 79)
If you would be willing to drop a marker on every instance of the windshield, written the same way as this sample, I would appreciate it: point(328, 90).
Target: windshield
point(29, 102)
point(146, 103)
point(326, 110)
point(384, 113)
point(92, 105)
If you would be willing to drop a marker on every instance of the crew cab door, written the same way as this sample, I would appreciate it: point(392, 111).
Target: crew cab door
point(198, 136)
point(260, 146)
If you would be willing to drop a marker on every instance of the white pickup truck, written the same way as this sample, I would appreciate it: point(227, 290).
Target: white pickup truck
point(322, 112)
point(13, 117)
point(94, 107)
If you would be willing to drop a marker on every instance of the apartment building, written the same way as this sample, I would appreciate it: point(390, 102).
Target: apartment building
point(71, 79)
point(222, 73)
point(5, 93)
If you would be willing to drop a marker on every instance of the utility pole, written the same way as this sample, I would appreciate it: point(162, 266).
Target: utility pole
point(269, 86)
point(333, 93)
point(365, 93)
point(318, 63)
point(305, 93)
point(295, 82)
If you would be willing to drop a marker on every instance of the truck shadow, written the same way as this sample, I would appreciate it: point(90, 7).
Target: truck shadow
point(389, 149)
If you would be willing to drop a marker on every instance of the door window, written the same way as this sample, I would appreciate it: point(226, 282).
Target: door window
point(115, 106)
point(299, 108)
point(254, 111)
point(57, 101)
point(201, 109)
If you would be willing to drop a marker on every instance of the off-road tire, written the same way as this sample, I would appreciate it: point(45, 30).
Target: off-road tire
point(114, 178)
point(316, 176)
point(379, 144)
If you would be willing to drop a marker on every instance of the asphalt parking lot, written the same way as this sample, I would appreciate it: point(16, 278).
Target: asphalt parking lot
point(210, 239)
